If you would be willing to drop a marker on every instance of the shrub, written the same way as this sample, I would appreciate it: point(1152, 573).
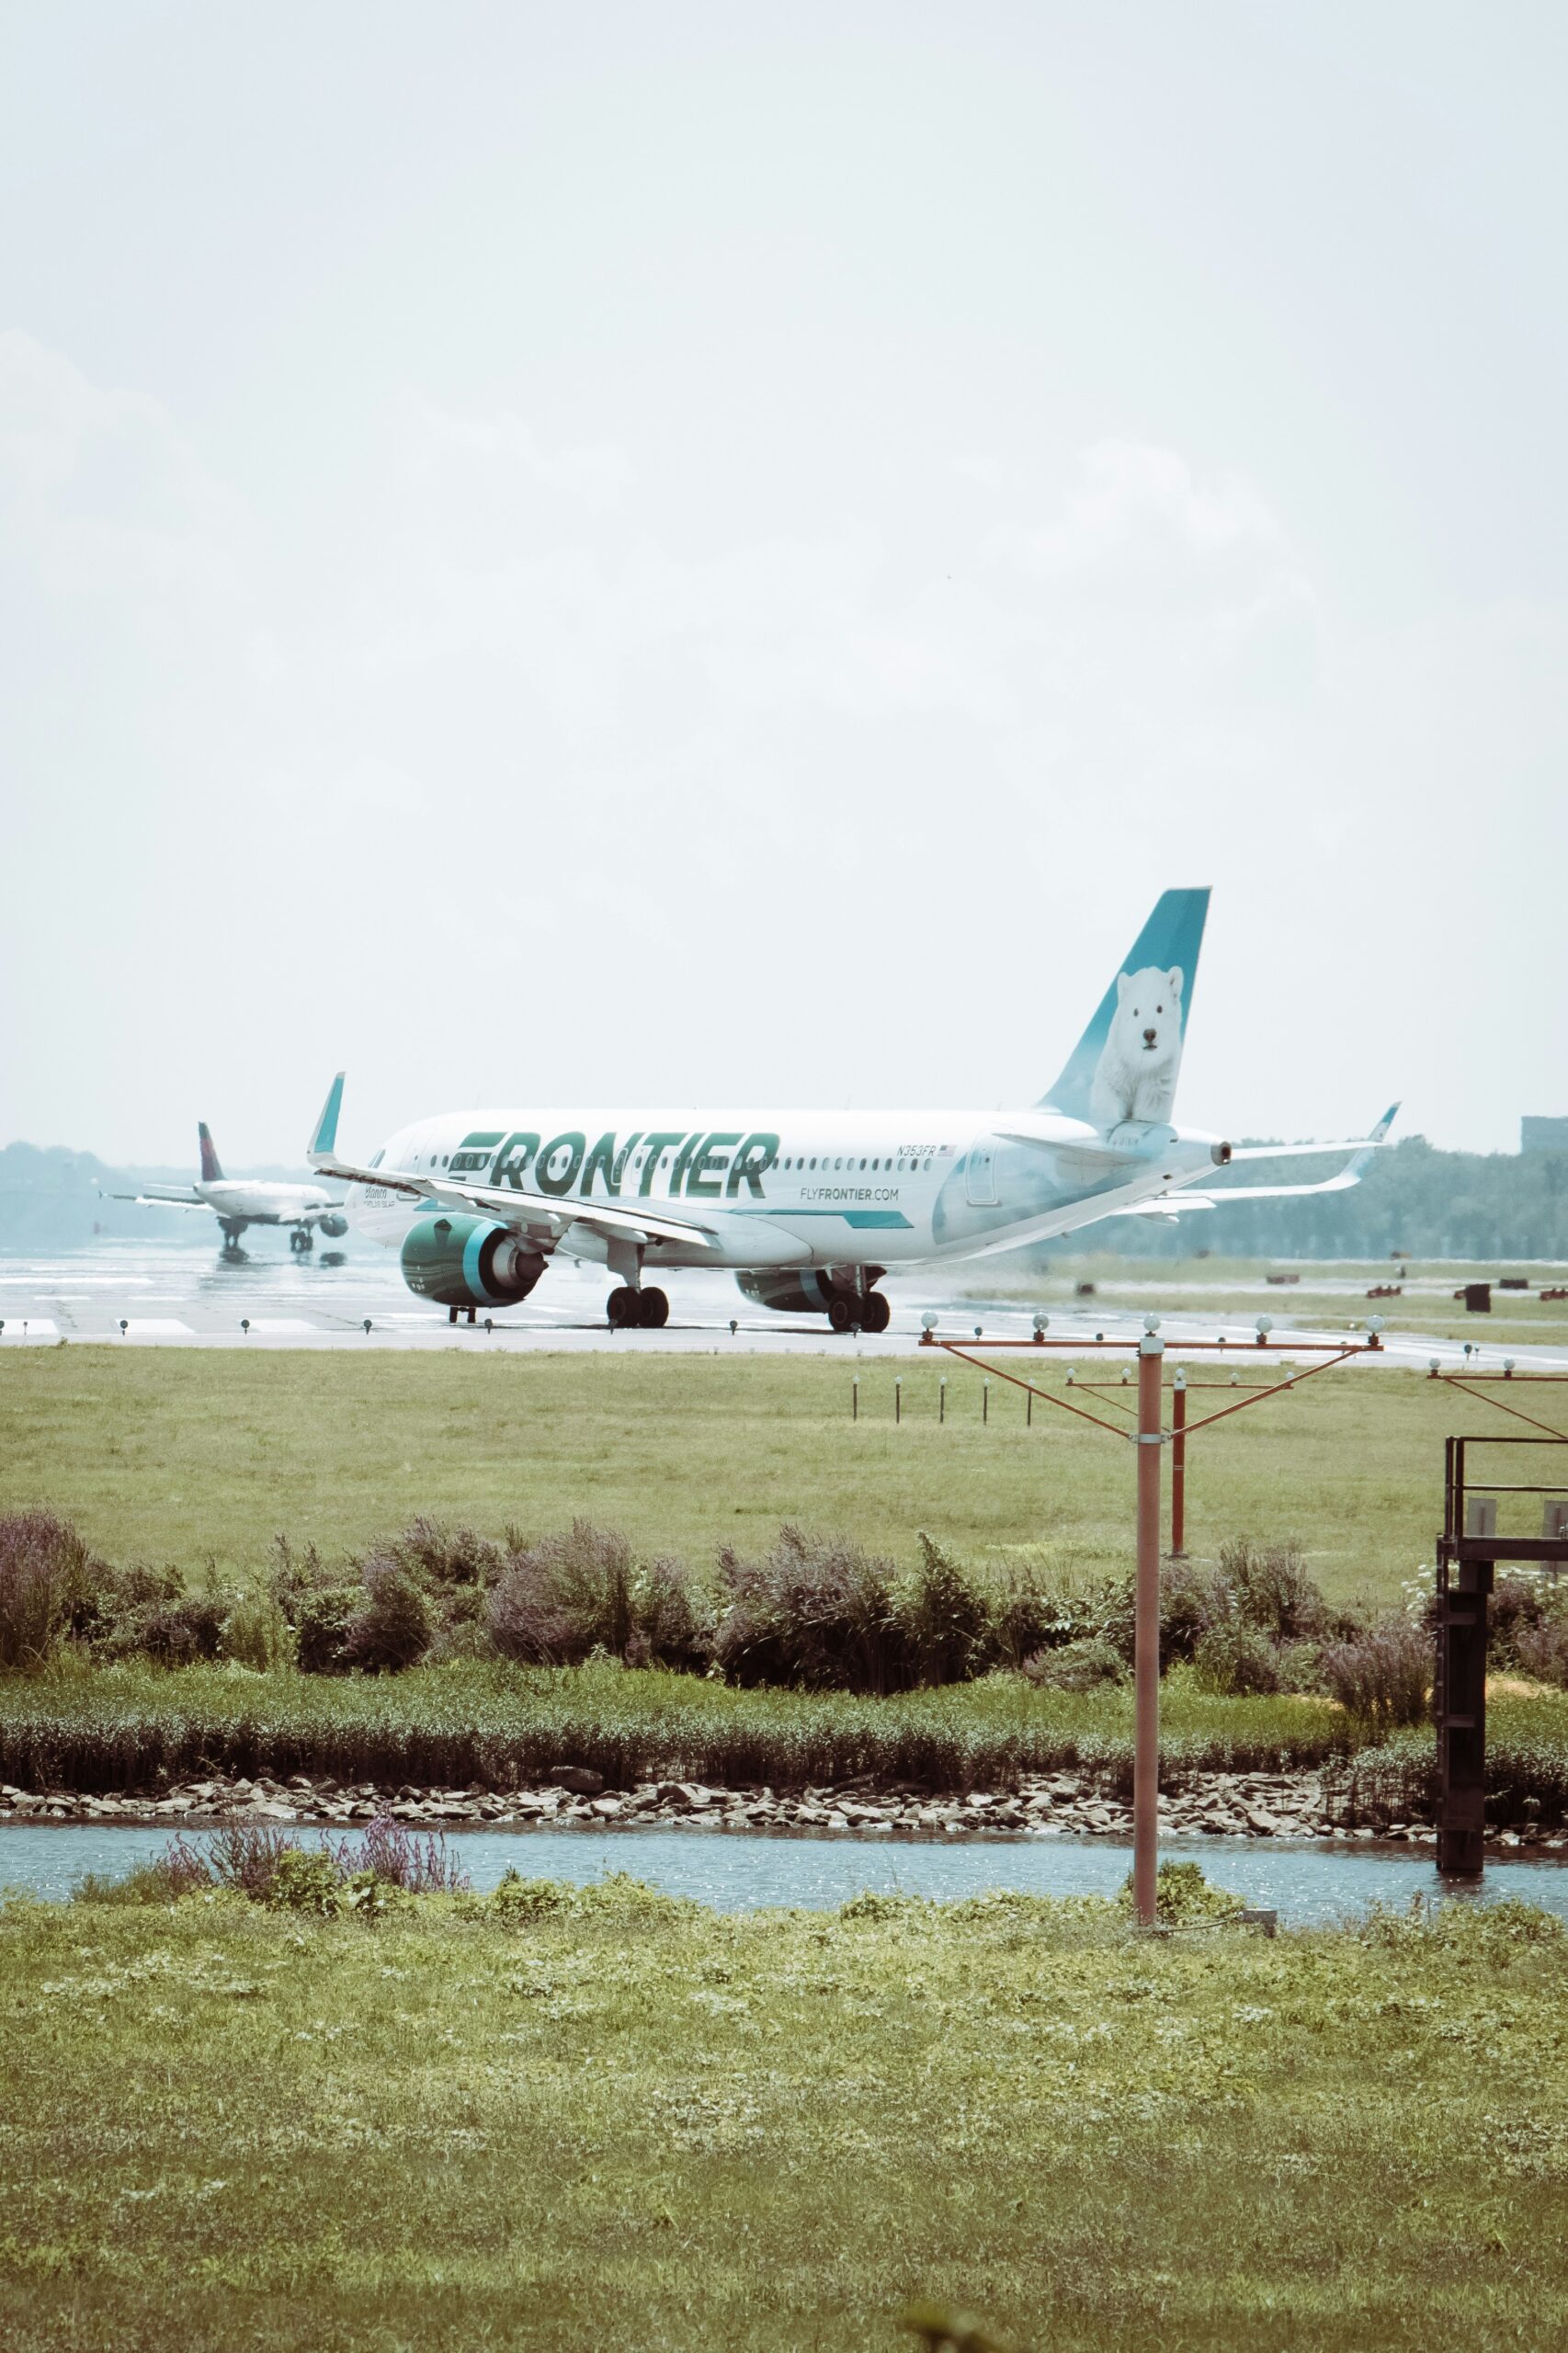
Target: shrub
point(566, 1597)
point(174, 1633)
point(814, 1614)
point(1192, 1599)
point(269, 1867)
point(1235, 1661)
point(944, 1617)
point(295, 1577)
point(1183, 1896)
point(46, 1572)
point(321, 1628)
point(1543, 1651)
point(1023, 1616)
point(398, 1857)
point(1381, 1678)
point(257, 1633)
point(440, 1556)
point(390, 1630)
point(1519, 1609)
point(1075, 1607)
point(1272, 1588)
point(1081, 1665)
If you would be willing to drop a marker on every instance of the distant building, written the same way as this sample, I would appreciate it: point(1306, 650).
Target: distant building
point(1543, 1135)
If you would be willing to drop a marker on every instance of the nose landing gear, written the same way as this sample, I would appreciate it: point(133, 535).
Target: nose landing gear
point(646, 1309)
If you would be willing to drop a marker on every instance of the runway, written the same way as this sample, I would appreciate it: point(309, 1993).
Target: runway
point(182, 1294)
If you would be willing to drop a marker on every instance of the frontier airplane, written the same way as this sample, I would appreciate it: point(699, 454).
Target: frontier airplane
point(237, 1203)
point(811, 1208)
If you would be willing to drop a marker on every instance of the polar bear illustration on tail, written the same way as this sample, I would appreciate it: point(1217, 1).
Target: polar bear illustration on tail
point(1135, 1078)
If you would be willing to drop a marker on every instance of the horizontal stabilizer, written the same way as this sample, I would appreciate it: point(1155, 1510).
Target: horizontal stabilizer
point(1360, 1149)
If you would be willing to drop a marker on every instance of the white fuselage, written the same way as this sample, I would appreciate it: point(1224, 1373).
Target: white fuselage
point(795, 1188)
point(262, 1203)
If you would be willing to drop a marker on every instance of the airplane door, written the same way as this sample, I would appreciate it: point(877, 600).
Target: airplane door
point(982, 1176)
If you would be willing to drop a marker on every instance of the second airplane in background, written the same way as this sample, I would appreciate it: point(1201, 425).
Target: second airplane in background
point(239, 1201)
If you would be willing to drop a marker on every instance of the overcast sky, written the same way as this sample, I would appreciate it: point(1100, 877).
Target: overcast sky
point(680, 553)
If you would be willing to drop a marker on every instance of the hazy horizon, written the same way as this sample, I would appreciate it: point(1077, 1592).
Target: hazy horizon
point(684, 554)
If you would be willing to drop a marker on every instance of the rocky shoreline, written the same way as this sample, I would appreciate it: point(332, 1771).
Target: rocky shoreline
point(1243, 1805)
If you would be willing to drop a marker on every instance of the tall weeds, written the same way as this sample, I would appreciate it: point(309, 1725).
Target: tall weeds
point(44, 1572)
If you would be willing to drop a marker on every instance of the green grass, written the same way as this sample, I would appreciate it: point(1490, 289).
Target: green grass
point(119, 1727)
point(176, 1455)
point(627, 2123)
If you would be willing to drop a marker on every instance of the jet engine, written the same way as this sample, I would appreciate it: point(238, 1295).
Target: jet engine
point(843, 1293)
point(469, 1262)
point(333, 1227)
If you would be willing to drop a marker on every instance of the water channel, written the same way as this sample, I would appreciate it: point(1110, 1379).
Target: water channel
point(1308, 1885)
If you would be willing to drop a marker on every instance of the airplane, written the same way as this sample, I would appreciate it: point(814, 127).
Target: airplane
point(237, 1203)
point(810, 1210)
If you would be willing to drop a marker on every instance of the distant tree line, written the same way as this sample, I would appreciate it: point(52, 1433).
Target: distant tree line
point(1414, 1200)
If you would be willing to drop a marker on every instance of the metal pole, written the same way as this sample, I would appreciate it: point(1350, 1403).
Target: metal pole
point(1028, 1409)
point(1146, 1652)
point(942, 1399)
point(898, 1402)
point(1178, 1466)
point(855, 1400)
point(985, 1401)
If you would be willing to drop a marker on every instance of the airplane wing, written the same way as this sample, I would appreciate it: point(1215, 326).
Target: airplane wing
point(547, 1217)
point(159, 1196)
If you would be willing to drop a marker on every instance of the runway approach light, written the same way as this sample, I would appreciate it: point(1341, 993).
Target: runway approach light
point(1432, 1365)
point(1507, 1364)
point(1151, 1325)
point(1041, 1323)
point(928, 1321)
point(122, 1328)
point(1374, 1324)
point(244, 1326)
point(1265, 1323)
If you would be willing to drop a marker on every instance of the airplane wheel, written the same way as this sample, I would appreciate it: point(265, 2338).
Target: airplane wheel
point(842, 1312)
point(877, 1312)
point(621, 1307)
point(655, 1310)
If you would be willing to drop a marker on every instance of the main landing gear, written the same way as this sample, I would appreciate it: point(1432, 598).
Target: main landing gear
point(644, 1309)
point(301, 1238)
point(871, 1313)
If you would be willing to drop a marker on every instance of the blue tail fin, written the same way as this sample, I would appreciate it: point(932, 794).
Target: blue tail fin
point(212, 1167)
point(1125, 1065)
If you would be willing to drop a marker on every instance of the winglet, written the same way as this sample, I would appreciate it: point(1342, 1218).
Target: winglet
point(322, 1144)
point(1359, 1162)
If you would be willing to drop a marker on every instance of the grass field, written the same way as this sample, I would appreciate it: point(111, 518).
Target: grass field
point(624, 2122)
point(176, 1455)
